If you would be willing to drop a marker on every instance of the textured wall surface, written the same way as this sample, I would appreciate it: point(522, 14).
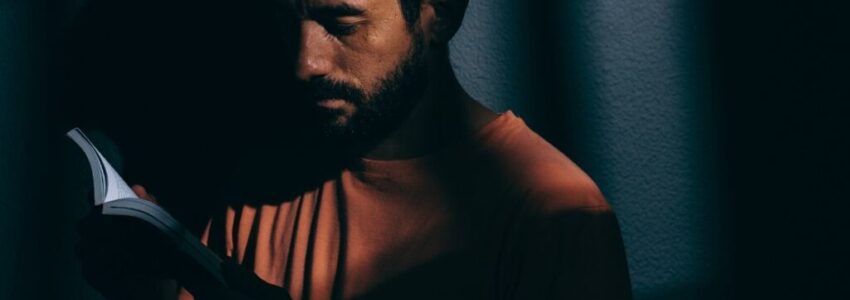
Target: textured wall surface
point(486, 56)
point(639, 127)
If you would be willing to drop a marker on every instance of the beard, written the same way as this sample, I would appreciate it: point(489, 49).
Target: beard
point(375, 115)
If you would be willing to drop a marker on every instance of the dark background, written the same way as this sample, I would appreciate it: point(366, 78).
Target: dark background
point(717, 129)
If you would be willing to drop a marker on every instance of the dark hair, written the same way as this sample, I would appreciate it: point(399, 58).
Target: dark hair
point(410, 11)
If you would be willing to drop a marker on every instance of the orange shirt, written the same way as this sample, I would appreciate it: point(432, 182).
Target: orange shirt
point(505, 215)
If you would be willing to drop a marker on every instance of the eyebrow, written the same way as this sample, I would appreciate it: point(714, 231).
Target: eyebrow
point(338, 10)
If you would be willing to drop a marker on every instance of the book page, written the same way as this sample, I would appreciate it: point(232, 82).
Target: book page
point(120, 200)
point(108, 185)
point(116, 188)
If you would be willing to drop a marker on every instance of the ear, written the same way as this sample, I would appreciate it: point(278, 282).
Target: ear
point(442, 18)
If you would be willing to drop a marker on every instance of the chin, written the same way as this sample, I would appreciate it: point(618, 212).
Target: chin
point(339, 124)
point(334, 124)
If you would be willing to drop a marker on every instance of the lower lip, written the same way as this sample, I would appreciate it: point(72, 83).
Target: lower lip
point(331, 103)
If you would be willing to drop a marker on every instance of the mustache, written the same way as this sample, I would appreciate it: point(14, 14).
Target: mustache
point(322, 88)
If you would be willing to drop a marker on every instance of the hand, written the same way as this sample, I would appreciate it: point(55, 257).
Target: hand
point(124, 258)
point(242, 284)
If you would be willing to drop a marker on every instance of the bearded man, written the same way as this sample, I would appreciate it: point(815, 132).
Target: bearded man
point(434, 195)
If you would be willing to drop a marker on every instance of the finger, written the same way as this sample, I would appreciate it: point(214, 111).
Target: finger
point(143, 193)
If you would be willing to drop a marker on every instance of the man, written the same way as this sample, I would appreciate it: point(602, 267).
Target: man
point(434, 195)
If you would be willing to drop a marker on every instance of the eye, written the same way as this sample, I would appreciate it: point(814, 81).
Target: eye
point(340, 28)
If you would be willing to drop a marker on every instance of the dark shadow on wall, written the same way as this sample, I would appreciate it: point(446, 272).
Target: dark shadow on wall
point(781, 72)
point(552, 83)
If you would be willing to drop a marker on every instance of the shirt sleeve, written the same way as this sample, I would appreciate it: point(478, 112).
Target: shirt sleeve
point(575, 254)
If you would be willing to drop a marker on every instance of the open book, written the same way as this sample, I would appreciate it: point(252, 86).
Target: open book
point(118, 199)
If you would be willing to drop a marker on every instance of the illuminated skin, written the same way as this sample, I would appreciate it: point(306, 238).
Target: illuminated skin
point(359, 45)
point(361, 42)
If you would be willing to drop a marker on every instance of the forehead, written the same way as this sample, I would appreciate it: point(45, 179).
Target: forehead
point(363, 4)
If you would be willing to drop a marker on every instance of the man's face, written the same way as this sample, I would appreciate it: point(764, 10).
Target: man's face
point(362, 66)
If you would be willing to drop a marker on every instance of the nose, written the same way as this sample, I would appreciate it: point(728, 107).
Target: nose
point(314, 52)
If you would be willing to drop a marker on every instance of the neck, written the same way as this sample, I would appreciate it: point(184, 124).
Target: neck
point(444, 114)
